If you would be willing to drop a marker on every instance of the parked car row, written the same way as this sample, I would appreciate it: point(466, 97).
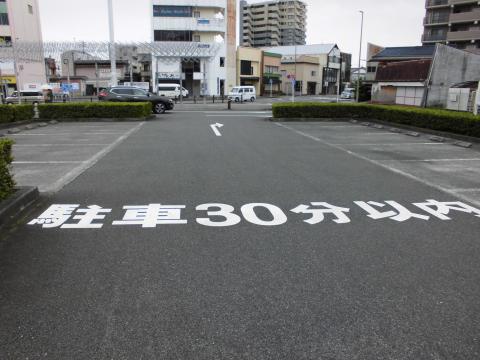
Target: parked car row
point(160, 104)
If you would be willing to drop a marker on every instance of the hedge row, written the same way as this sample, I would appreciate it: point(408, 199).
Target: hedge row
point(94, 110)
point(11, 113)
point(434, 119)
point(6, 180)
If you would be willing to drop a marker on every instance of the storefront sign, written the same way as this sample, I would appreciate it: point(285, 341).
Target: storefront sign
point(172, 11)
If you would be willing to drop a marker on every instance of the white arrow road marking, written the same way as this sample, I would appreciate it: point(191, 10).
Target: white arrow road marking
point(215, 128)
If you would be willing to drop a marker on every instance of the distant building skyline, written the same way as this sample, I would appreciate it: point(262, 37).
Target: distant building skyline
point(327, 22)
point(272, 23)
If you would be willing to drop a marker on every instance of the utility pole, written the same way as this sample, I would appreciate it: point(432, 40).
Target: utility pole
point(17, 73)
point(113, 56)
point(357, 95)
point(96, 78)
point(476, 104)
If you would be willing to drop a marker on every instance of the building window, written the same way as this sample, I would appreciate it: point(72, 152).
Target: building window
point(222, 62)
point(298, 86)
point(196, 14)
point(314, 73)
point(4, 19)
point(167, 35)
point(196, 38)
point(5, 41)
point(371, 69)
point(30, 9)
point(246, 67)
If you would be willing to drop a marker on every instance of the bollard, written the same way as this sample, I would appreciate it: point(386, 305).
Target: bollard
point(223, 98)
point(36, 113)
point(195, 99)
point(241, 98)
point(213, 99)
point(91, 99)
point(229, 102)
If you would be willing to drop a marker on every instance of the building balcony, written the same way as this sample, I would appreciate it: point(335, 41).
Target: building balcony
point(438, 20)
point(189, 24)
point(436, 3)
point(463, 35)
point(426, 38)
point(462, 2)
point(465, 17)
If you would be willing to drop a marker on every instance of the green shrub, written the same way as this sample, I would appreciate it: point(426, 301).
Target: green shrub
point(94, 110)
point(22, 112)
point(6, 114)
point(6, 180)
point(11, 113)
point(434, 119)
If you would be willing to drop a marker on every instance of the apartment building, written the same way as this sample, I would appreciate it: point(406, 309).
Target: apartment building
point(453, 22)
point(272, 23)
point(20, 22)
point(198, 35)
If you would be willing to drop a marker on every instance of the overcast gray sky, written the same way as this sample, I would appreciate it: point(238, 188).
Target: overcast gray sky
point(387, 22)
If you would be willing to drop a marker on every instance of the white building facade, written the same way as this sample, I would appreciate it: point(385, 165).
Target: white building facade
point(195, 32)
point(20, 22)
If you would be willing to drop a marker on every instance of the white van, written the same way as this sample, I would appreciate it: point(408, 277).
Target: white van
point(171, 90)
point(243, 93)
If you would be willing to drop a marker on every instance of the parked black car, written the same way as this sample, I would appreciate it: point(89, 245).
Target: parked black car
point(132, 94)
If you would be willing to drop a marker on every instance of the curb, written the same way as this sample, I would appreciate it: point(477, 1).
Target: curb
point(12, 207)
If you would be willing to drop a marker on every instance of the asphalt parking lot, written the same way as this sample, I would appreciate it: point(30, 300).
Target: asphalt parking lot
point(50, 157)
point(443, 165)
point(223, 235)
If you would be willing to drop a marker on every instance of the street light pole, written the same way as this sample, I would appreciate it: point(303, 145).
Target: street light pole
point(113, 56)
point(357, 95)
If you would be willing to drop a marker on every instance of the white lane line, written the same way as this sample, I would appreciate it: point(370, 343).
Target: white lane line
point(431, 160)
point(251, 116)
point(378, 163)
point(390, 144)
point(50, 145)
point(46, 162)
point(71, 133)
point(74, 173)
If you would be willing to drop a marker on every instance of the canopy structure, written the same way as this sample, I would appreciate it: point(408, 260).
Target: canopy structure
point(37, 52)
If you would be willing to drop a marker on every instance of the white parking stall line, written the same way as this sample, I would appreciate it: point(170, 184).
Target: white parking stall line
point(68, 134)
point(383, 165)
point(390, 144)
point(432, 160)
point(46, 162)
point(74, 173)
point(52, 145)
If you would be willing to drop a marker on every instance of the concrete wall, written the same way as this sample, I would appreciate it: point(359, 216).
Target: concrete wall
point(451, 66)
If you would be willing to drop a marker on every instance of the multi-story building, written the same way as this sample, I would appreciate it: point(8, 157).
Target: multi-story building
point(330, 67)
point(198, 35)
point(453, 22)
point(273, 23)
point(260, 69)
point(20, 22)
